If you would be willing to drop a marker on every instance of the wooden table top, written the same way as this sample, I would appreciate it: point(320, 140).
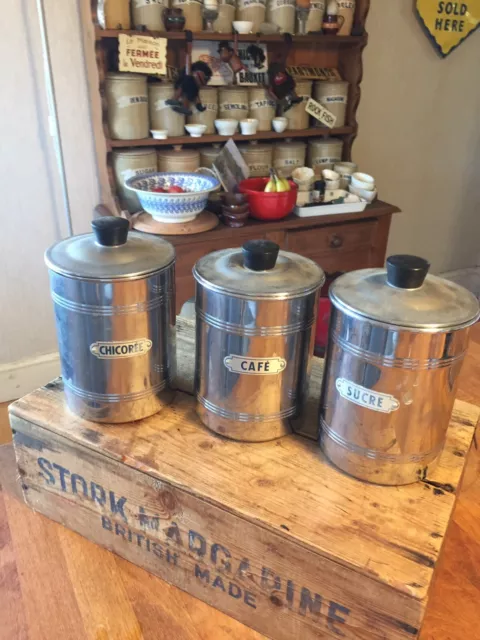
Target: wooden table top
point(56, 584)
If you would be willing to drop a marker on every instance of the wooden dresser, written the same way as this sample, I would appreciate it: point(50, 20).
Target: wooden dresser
point(336, 243)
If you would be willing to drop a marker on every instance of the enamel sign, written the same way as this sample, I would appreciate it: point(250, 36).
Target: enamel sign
point(374, 400)
point(448, 24)
point(142, 54)
point(254, 366)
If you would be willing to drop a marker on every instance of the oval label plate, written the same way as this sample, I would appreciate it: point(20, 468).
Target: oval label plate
point(254, 366)
point(367, 398)
point(121, 349)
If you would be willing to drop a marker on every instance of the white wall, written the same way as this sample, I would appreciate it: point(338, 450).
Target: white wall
point(32, 210)
point(420, 136)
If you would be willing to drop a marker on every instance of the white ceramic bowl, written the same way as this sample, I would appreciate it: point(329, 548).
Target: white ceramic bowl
point(159, 134)
point(363, 181)
point(249, 126)
point(303, 178)
point(279, 124)
point(330, 175)
point(196, 130)
point(172, 207)
point(226, 126)
point(242, 26)
point(365, 194)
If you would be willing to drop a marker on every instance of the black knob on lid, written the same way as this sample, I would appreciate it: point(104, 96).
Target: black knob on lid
point(110, 231)
point(260, 255)
point(406, 272)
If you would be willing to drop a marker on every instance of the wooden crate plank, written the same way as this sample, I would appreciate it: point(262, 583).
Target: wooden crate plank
point(283, 590)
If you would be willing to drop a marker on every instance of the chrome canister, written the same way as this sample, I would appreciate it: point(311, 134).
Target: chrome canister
point(113, 293)
point(256, 311)
point(397, 340)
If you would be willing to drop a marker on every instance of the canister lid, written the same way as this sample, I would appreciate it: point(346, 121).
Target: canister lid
point(111, 252)
point(185, 154)
point(124, 75)
point(133, 153)
point(403, 295)
point(259, 270)
point(322, 142)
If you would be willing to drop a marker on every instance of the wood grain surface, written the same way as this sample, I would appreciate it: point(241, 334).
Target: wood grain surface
point(56, 584)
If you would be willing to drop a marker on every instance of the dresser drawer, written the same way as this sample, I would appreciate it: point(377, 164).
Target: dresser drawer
point(342, 238)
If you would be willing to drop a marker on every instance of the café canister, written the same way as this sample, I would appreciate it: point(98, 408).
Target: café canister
point(113, 293)
point(397, 340)
point(256, 311)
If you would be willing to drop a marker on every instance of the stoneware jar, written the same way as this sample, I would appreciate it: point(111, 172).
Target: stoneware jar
point(333, 95)
point(178, 159)
point(258, 157)
point(397, 339)
point(192, 12)
point(161, 115)
point(252, 11)
point(233, 102)
point(324, 153)
point(346, 9)
point(114, 14)
point(148, 14)
point(113, 292)
point(127, 105)
point(209, 99)
point(287, 156)
point(261, 107)
point(297, 117)
point(226, 16)
point(282, 14)
point(256, 311)
point(128, 163)
point(315, 16)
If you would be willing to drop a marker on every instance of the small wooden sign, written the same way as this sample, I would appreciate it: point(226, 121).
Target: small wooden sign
point(142, 54)
point(448, 24)
point(313, 73)
point(319, 112)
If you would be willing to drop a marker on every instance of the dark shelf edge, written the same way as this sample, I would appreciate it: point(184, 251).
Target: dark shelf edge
point(238, 137)
point(101, 34)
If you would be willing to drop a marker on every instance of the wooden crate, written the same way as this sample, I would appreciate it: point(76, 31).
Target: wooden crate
point(269, 533)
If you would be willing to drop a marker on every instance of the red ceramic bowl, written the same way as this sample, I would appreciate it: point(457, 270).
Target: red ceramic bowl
point(268, 206)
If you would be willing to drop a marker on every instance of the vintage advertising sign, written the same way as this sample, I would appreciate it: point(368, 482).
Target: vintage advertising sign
point(448, 24)
point(319, 112)
point(142, 54)
point(255, 68)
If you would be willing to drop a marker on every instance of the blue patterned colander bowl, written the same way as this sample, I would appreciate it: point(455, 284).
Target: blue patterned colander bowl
point(173, 207)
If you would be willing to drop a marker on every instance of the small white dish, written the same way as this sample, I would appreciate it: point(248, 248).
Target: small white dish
point(365, 194)
point(330, 175)
point(226, 126)
point(159, 134)
point(279, 124)
point(363, 181)
point(249, 126)
point(242, 26)
point(196, 130)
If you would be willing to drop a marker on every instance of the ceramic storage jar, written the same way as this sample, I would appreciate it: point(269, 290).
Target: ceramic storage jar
point(315, 16)
point(259, 158)
point(114, 14)
point(127, 105)
point(226, 15)
point(287, 156)
point(297, 117)
point(333, 95)
point(282, 14)
point(128, 163)
point(324, 153)
point(192, 12)
point(252, 11)
point(148, 14)
point(233, 102)
point(209, 99)
point(178, 159)
point(161, 115)
point(262, 107)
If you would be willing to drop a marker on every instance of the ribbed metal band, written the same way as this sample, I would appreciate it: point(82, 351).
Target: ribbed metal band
point(110, 310)
point(244, 417)
point(373, 454)
point(396, 363)
point(116, 397)
point(282, 330)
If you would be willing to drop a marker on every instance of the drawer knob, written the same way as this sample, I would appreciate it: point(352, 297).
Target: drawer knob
point(336, 241)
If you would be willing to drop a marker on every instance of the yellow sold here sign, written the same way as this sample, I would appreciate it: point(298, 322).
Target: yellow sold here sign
point(448, 24)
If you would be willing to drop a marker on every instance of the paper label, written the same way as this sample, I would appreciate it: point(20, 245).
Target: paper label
point(160, 104)
point(258, 168)
point(319, 112)
point(178, 3)
point(326, 160)
point(338, 99)
point(127, 349)
point(142, 54)
point(138, 4)
point(280, 4)
point(367, 398)
point(247, 4)
point(288, 162)
point(262, 104)
point(346, 4)
point(129, 173)
point(231, 106)
point(317, 6)
point(130, 101)
point(254, 366)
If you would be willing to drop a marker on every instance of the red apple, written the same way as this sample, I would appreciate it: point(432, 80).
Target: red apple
point(158, 190)
point(175, 189)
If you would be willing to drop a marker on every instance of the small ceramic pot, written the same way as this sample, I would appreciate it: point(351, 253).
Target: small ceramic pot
point(174, 19)
point(230, 199)
point(159, 134)
point(249, 126)
point(234, 219)
point(196, 130)
point(242, 26)
point(279, 124)
point(226, 126)
point(332, 24)
point(363, 181)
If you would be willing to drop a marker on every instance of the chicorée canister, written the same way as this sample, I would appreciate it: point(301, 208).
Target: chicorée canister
point(113, 293)
point(256, 311)
point(397, 340)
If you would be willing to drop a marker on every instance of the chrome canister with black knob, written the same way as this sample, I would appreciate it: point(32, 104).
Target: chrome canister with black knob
point(256, 310)
point(113, 292)
point(397, 340)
